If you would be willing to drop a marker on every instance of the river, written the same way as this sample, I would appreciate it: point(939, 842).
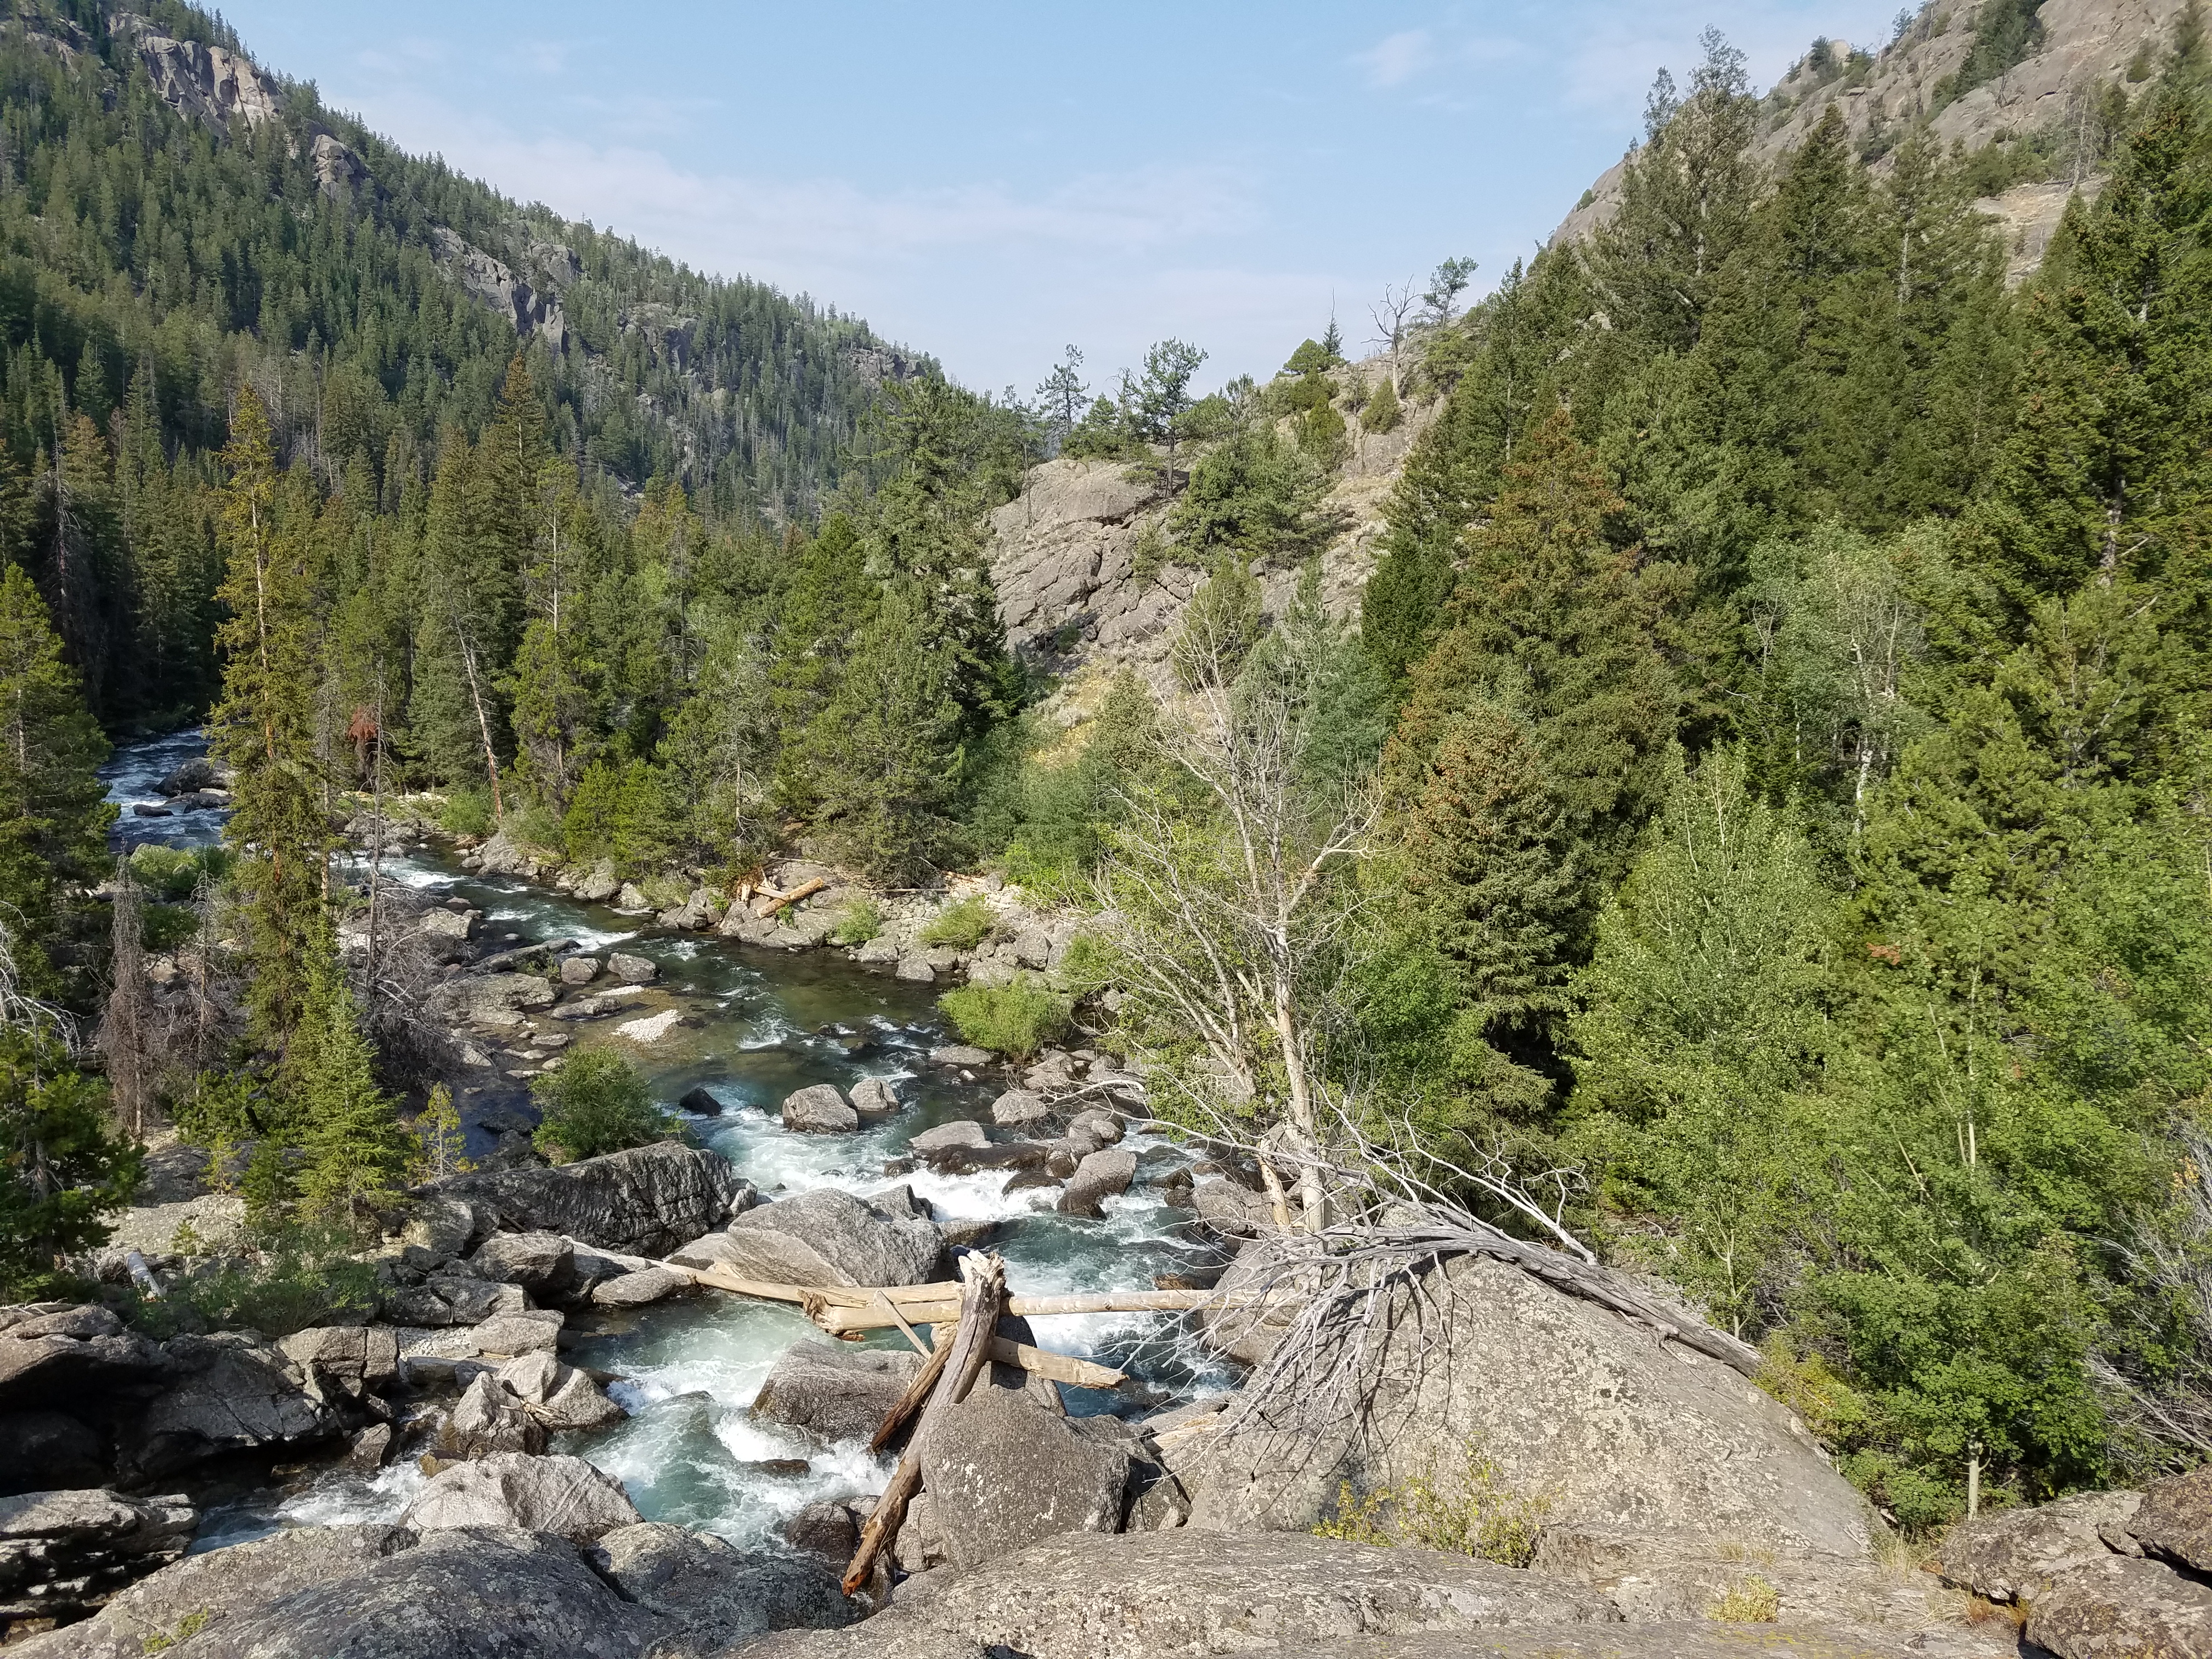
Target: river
point(764, 1022)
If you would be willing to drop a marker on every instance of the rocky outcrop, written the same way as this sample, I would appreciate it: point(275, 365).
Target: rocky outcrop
point(63, 1552)
point(381, 1593)
point(826, 1236)
point(54, 1353)
point(645, 1201)
point(228, 1392)
point(2013, 1555)
point(486, 1421)
point(208, 83)
point(834, 1391)
point(492, 283)
point(564, 1496)
point(559, 1397)
point(1633, 1435)
point(2077, 46)
point(2119, 1608)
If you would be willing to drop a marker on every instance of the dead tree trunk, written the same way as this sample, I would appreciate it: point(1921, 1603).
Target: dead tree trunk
point(982, 1299)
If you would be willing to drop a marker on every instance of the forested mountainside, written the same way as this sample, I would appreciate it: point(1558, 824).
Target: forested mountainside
point(177, 224)
point(2031, 96)
point(1753, 823)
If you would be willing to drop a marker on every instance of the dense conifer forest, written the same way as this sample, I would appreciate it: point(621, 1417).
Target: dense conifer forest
point(1757, 814)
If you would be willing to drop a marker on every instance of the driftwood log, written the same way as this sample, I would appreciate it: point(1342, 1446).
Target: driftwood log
point(850, 1311)
point(983, 1301)
point(770, 901)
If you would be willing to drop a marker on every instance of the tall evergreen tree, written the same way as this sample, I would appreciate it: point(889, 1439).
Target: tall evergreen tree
point(264, 728)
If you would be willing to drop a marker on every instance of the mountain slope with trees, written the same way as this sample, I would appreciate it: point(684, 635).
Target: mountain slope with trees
point(1752, 826)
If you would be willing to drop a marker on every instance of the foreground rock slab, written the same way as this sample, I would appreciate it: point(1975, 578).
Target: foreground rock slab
point(713, 1593)
point(1143, 1594)
point(62, 1552)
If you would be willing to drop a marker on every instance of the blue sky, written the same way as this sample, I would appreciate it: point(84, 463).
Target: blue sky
point(989, 182)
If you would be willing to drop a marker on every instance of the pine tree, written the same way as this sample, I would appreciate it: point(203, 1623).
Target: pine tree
point(264, 729)
point(357, 1154)
point(1383, 412)
point(54, 813)
point(1552, 616)
point(62, 1168)
point(887, 746)
point(2106, 471)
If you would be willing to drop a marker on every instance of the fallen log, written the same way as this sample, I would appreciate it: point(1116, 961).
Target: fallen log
point(839, 1319)
point(770, 901)
point(982, 1301)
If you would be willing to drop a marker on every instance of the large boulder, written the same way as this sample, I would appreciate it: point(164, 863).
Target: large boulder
point(713, 1593)
point(559, 1397)
point(486, 1421)
point(819, 1110)
point(2174, 1520)
point(542, 1264)
point(371, 1593)
point(448, 1300)
point(826, 1236)
point(1577, 1409)
point(1099, 1176)
point(1002, 1472)
point(2013, 1555)
point(53, 1354)
point(2121, 1608)
point(62, 1553)
point(228, 1392)
point(1148, 1596)
point(562, 1495)
point(349, 1360)
point(645, 1201)
point(836, 1391)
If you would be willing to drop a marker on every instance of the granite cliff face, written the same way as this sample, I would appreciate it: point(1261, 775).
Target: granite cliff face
point(1066, 565)
point(2079, 45)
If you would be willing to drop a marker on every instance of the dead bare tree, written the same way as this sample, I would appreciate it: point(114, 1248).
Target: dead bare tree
point(1389, 315)
point(1221, 920)
point(125, 1026)
point(2170, 1259)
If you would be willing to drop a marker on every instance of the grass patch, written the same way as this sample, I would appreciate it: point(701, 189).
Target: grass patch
point(1750, 1601)
point(961, 926)
point(859, 921)
point(1015, 1020)
point(1468, 1511)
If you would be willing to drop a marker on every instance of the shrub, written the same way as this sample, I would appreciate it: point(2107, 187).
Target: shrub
point(537, 827)
point(1321, 435)
point(1015, 1020)
point(859, 921)
point(305, 1276)
point(171, 873)
point(466, 812)
point(1469, 1512)
point(594, 1104)
point(163, 927)
point(1382, 413)
point(962, 926)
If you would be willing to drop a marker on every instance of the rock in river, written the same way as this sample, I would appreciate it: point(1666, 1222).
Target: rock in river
point(562, 1495)
point(645, 1201)
point(826, 1236)
point(819, 1110)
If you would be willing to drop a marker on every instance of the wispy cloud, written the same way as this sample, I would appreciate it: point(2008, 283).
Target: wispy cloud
point(1397, 58)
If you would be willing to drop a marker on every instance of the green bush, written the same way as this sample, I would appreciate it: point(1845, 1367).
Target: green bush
point(172, 873)
point(466, 812)
point(1321, 435)
point(594, 1104)
point(859, 921)
point(537, 827)
point(1383, 412)
point(1015, 1020)
point(962, 926)
point(163, 927)
point(305, 1276)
